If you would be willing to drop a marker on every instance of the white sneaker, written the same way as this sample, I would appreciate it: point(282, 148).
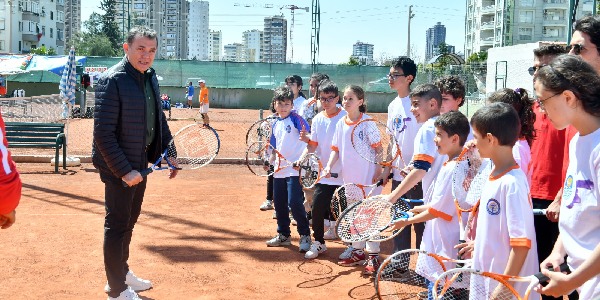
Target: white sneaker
point(267, 205)
point(316, 248)
point(128, 294)
point(330, 233)
point(279, 240)
point(304, 243)
point(135, 283)
point(347, 253)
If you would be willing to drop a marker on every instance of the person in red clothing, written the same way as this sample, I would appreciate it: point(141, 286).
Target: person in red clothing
point(10, 182)
point(546, 178)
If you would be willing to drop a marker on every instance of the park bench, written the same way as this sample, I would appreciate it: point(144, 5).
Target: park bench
point(38, 135)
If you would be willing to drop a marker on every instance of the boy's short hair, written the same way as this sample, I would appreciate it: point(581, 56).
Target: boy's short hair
point(452, 85)
point(328, 87)
point(294, 79)
point(427, 91)
point(500, 120)
point(549, 50)
point(454, 122)
point(407, 65)
point(283, 93)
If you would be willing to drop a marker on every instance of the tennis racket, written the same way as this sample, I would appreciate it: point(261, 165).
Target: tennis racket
point(311, 169)
point(367, 219)
point(263, 159)
point(409, 274)
point(260, 131)
point(374, 142)
point(350, 193)
point(192, 147)
point(402, 205)
point(473, 284)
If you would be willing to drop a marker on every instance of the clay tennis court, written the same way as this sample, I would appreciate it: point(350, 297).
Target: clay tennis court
point(200, 236)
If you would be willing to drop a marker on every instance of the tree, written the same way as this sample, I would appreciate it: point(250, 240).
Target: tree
point(477, 57)
point(109, 26)
point(93, 25)
point(87, 44)
point(352, 61)
point(43, 51)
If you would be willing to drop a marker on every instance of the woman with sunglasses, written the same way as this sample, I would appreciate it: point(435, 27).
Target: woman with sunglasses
point(568, 91)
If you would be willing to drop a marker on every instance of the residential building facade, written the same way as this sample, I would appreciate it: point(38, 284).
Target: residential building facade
point(198, 30)
point(72, 19)
point(215, 45)
point(30, 24)
point(498, 23)
point(253, 43)
point(275, 40)
point(363, 52)
point(434, 37)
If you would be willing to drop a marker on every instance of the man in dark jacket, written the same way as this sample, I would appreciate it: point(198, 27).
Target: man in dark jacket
point(130, 130)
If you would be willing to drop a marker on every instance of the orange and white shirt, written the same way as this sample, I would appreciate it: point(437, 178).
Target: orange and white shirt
point(522, 154)
point(426, 150)
point(404, 127)
point(322, 132)
point(504, 221)
point(355, 169)
point(10, 182)
point(442, 233)
point(203, 98)
point(579, 222)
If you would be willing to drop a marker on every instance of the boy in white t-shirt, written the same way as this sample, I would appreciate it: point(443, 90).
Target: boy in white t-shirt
point(505, 242)
point(425, 106)
point(287, 191)
point(322, 131)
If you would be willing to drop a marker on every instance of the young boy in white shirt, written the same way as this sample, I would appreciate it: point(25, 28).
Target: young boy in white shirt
point(505, 242)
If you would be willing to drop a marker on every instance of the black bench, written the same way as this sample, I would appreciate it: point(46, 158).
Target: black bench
point(38, 135)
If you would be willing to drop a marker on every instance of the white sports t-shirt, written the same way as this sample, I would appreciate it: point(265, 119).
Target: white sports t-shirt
point(355, 169)
point(285, 138)
point(426, 150)
point(299, 105)
point(442, 233)
point(579, 222)
point(308, 110)
point(505, 220)
point(404, 127)
point(522, 154)
point(322, 132)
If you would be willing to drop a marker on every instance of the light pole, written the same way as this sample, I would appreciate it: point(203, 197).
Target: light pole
point(410, 16)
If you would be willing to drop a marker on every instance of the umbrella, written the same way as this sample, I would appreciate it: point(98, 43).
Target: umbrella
point(68, 82)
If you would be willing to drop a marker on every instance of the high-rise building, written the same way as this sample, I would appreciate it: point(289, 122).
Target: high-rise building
point(435, 36)
point(26, 25)
point(253, 42)
point(72, 19)
point(275, 40)
point(215, 43)
point(363, 52)
point(170, 20)
point(234, 52)
point(124, 16)
point(198, 30)
point(497, 23)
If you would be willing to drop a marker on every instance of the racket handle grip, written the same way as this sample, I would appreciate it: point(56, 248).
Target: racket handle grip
point(539, 212)
point(564, 268)
point(334, 175)
point(460, 265)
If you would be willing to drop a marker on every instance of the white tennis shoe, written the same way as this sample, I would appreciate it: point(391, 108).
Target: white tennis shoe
point(135, 283)
point(128, 294)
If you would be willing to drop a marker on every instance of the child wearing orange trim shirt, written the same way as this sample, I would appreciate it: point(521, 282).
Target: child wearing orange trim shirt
point(505, 242)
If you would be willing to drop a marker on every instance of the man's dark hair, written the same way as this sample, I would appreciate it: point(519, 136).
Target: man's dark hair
point(500, 120)
point(141, 31)
point(427, 91)
point(590, 25)
point(454, 122)
point(549, 50)
point(328, 87)
point(319, 76)
point(452, 85)
point(407, 65)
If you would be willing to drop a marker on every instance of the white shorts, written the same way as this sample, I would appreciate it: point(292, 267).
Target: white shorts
point(190, 98)
point(204, 108)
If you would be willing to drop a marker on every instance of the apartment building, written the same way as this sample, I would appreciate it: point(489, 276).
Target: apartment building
point(198, 30)
point(363, 52)
point(275, 40)
point(215, 45)
point(253, 42)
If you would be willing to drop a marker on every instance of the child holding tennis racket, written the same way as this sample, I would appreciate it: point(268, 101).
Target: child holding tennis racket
point(505, 242)
point(321, 136)
point(520, 101)
point(568, 90)
point(287, 191)
point(354, 169)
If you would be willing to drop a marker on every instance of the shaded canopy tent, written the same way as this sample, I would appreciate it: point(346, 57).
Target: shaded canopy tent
point(35, 68)
point(453, 59)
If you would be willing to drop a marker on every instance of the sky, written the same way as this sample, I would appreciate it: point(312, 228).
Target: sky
point(383, 23)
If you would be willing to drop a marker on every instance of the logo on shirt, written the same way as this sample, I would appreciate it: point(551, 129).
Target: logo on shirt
point(568, 189)
point(580, 184)
point(288, 128)
point(399, 123)
point(493, 207)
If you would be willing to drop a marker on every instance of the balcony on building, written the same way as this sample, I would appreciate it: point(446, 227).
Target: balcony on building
point(555, 17)
point(554, 33)
point(556, 4)
point(489, 25)
point(489, 9)
point(487, 40)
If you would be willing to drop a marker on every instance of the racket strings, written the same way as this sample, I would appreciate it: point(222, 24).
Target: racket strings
point(257, 159)
point(470, 284)
point(364, 220)
point(407, 275)
point(194, 146)
point(372, 141)
point(259, 131)
point(310, 168)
